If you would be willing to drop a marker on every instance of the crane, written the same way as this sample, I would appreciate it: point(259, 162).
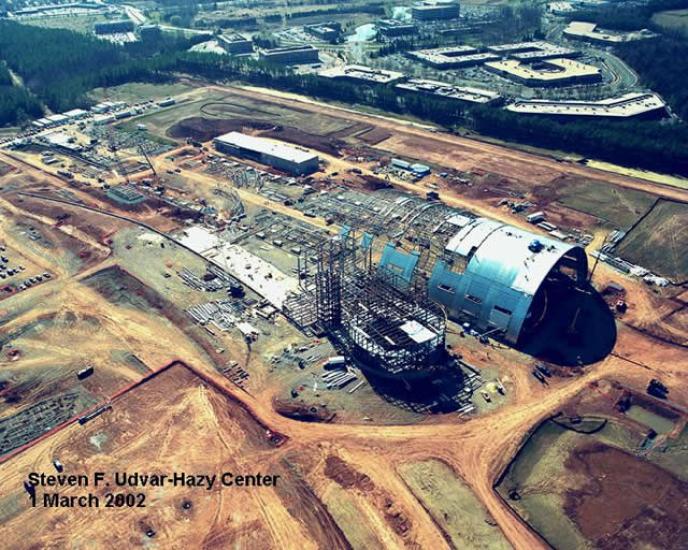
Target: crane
point(148, 160)
point(118, 168)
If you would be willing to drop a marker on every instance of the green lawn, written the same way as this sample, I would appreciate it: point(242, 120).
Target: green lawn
point(672, 20)
point(660, 241)
point(619, 206)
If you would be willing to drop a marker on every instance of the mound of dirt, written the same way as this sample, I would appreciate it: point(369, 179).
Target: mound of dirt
point(204, 129)
point(6, 168)
point(346, 476)
point(350, 478)
point(303, 412)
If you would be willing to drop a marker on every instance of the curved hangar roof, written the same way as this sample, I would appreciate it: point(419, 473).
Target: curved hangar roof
point(496, 271)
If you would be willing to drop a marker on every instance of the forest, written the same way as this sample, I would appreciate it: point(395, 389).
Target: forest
point(628, 17)
point(16, 104)
point(662, 64)
point(59, 67)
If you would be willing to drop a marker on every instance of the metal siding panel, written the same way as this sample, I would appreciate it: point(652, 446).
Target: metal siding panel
point(500, 320)
point(442, 276)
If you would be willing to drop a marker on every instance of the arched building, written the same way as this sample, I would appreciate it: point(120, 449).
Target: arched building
point(501, 277)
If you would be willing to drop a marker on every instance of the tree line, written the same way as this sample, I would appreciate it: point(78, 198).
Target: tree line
point(17, 106)
point(627, 17)
point(59, 67)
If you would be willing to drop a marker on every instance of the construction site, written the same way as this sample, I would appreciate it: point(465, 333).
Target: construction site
point(431, 341)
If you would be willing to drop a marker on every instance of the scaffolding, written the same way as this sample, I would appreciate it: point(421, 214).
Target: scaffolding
point(373, 314)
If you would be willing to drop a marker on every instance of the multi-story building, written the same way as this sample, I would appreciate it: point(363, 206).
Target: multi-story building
point(391, 28)
point(111, 27)
point(291, 55)
point(432, 10)
point(235, 44)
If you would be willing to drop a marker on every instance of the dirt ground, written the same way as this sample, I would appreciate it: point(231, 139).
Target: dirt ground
point(614, 476)
point(343, 484)
point(595, 475)
point(205, 129)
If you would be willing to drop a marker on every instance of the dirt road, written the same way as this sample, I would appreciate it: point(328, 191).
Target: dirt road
point(506, 159)
point(478, 449)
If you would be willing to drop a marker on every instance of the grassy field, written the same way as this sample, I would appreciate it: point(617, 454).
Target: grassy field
point(656, 177)
point(660, 241)
point(672, 20)
point(159, 121)
point(350, 519)
point(452, 505)
point(217, 104)
point(8, 131)
point(78, 23)
point(139, 91)
point(618, 206)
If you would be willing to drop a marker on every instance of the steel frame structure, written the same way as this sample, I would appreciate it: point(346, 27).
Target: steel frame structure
point(390, 327)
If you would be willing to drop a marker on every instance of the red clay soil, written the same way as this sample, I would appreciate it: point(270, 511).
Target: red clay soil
point(302, 411)
point(626, 501)
point(349, 478)
point(204, 129)
point(346, 476)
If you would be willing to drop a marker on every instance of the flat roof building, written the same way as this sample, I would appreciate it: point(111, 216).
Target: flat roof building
point(329, 31)
point(106, 106)
point(551, 72)
point(533, 50)
point(449, 91)
point(626, 106)
point(391, 28)
point(358, 73)
point(75, 114)
point(235, 44)
point(560, 8)
point(582, 30)
point(57, 119)
point(112, 27)
point(291, 159)
point(150, 32)
point(291, 55)
point(62, 140)
point(430, 10)
point(452, 57)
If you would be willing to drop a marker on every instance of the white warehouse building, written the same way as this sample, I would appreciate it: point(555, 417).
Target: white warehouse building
point(289, 158)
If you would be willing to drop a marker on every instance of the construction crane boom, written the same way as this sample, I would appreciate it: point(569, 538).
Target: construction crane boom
point(148, 160)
